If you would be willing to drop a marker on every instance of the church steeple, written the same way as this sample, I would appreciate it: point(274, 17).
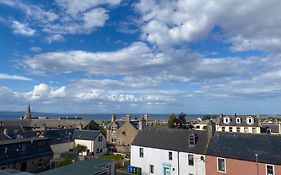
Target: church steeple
point(27, 114)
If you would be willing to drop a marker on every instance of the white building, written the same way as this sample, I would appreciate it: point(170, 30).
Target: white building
point(170, 151)
point(239, 123)
point(94, 140)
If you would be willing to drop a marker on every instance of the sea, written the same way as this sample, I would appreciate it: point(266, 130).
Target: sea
point(96, 117)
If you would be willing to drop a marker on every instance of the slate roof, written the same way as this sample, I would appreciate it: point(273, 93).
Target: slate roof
point(93, 166)
point(243, 120)
point(86, 134)
point(244, 147)
point(172, 139)
point(23, 149)
point(273, 126)
point(55, 136)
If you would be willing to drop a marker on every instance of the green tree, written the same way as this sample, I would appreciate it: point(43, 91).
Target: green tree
point(81, 148)
point(171, 120)
point(206, 117)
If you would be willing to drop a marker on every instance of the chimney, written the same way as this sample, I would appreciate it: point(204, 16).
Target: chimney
point(221, 115)
point(127, 118)
point(113, 118)
point(211, 127)
point(145, 117)
point(141, 123)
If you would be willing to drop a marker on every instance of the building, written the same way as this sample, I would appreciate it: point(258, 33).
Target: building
point(26, 154)
point(239, 123)
point(271, 128)
point(93, 166)
point(94, 140)
point(244, 154)
point(121, 133)
point(170, 151)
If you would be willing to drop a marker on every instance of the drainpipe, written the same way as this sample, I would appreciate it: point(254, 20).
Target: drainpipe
point(178, 163)
point(257, 163)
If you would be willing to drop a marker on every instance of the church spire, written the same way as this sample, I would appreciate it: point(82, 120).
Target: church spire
point(27, 114)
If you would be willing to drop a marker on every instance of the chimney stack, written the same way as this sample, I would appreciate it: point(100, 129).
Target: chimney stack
point(127, 118)
point(113, 118)
point(211, 127)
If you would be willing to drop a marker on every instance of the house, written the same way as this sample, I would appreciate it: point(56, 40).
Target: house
point(93, 166)
point(94, 140)
point(170, 151)
point(239, 123)
point(26, 154)
point(60, 140)
point(244, 154)
point(271, 128)
point(121, 133)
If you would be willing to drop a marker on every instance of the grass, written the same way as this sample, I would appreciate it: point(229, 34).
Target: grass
point(111, 156)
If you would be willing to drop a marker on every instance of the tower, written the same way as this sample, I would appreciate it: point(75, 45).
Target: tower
point(27, 114)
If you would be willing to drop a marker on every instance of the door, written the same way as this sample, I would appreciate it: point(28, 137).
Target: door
point(167, 169)
point(23, 166)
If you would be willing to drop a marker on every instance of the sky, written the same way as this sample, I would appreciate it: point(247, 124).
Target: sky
point(141, 56)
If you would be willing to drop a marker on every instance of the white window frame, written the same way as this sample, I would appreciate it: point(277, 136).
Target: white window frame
point(151, 167)
point(266, 169)
point(238, 120)
point(226, 120)
point(218, 165)
point(192, 159)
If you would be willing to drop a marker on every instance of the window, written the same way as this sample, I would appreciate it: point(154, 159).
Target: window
point(226, 120)
point(223, 128)
point(269, 170)
point(250, 120)
point(254, 130)
point(170, 156)
point(141, 152)
point(151, 169)
point(113, 128)
point(230, 129)
point(221, 165)
point(23, 148)
point(190, 160)
point(113, 139)
point(238, 129)
point(100, 139)
point(192, 140)
point(40, 163)
point(98, 151)
point(246, 130)
point(238, 120)
point(124, 133)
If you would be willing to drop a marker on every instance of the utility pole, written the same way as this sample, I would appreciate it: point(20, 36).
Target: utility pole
point(257, 162)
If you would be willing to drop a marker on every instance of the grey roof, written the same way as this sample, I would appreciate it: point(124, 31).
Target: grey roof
point(16, 150)
point(172, 139)
point(56, 136)
point(244, 147)
point(273, 126)
point(93, 166)
point(85, 134)
point(243, 120)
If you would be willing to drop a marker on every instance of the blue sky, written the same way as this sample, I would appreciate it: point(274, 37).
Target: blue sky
point(145, 56)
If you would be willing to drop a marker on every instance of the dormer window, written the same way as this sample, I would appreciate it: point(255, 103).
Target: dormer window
point(250, 120)
point(238, 120)
point(192, 140)
point(226, 120)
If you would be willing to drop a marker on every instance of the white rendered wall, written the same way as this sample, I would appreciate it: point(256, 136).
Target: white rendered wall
point(155, 157)
point(88, 143)
point(197, 169)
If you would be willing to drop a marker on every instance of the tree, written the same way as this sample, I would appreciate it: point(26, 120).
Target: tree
point(171, 120)
point(206, 117)
point(81, 148)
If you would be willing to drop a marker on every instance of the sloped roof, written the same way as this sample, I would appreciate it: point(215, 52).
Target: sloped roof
point(85, 134)
point(172, 139)
point(273, 126)
point(91, 166)
point(245, 146)
point(243, 120)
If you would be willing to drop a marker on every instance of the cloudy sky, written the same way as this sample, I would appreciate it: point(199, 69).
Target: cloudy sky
point(141, 56)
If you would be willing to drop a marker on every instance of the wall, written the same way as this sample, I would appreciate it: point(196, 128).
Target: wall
point(237, 167)
point(242, 129)
point(62, 147)
point(197, 169)
point(88, 143)
point(156, 157)
point(100, 145)
point(127, 138)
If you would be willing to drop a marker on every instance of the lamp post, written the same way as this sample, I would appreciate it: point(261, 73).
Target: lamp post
point(257, 162)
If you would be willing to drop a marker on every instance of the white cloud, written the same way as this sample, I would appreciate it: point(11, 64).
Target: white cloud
point(14, 77)
point(35, 49)
point(45, 93)
point(251, 25)
point(22, 29)
point(55, 37)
